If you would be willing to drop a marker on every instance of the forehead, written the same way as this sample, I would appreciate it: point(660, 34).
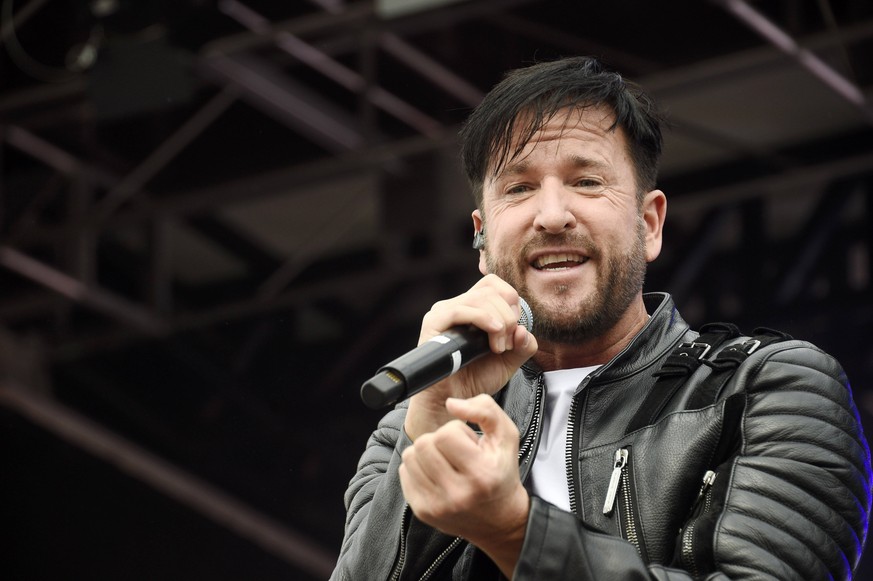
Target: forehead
point(592, 126)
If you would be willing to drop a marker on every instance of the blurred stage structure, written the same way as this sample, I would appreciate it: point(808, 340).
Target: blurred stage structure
point(217, 218)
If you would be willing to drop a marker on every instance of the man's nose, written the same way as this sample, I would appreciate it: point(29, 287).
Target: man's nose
point(554, 210)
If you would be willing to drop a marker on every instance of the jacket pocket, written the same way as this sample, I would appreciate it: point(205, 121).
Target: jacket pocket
point(694, 543)
point(656, 485)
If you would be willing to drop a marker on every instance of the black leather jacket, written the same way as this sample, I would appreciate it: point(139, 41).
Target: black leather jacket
point(771, 481)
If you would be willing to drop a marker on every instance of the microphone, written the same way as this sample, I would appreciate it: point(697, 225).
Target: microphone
point(430, 362)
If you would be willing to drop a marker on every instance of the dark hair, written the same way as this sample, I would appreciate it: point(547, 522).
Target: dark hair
point(541, 91)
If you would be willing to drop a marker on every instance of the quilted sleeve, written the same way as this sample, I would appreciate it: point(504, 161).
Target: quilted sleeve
point(374, 505)
point(794, 501)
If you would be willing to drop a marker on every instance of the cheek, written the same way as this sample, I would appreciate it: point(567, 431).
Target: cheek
point(622, 229)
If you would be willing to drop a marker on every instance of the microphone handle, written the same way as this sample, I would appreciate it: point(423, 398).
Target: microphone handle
point(424, 366)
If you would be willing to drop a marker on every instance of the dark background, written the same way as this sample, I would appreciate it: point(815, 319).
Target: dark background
point(218, 218)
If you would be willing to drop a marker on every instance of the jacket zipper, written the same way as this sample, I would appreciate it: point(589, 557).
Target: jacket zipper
point(534, 429)
point(573, 437)
point(705, 488)
point(523, 450)
point(616, 478)
point(688, 536)
point(620, 478)
point(401, 560)
point(440, 558)
point(570, 456)
point(687, 553)
point(630, 527)
point(573, 443)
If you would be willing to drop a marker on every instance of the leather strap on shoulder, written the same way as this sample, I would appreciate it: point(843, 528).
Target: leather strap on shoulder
point(726, 363)
point(678, 367)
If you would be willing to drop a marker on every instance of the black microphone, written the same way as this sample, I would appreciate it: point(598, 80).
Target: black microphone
point(430, 362)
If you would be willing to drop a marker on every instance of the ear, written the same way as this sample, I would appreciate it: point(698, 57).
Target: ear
point(478, 225)
point(654, 213)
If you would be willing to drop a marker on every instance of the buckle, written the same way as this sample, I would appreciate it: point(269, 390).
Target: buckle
point(692, 347)
point(747, 347)
point(750, 346)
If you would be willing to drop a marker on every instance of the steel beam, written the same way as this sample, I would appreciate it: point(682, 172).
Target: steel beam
point(133, 182)
point(431, 69)
point(350, 287)
point(575, 43)
point(352, 17)
point(334, 70)
point(285, 100)
point(282, 181)
point(805, 58)
point(813, 236)
point(95, 298)
point(678, 80)
point(250, 524)
point(696, 251)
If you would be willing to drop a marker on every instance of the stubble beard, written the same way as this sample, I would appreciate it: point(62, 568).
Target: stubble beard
point(619, 280)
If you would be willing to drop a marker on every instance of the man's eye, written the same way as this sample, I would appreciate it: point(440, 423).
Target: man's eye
point(517, 189)
point(588, 183)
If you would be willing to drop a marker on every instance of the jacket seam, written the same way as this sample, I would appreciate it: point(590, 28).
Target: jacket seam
point(758, 545)
point(809, 414)
point(816, 444)
point(783, 503)
point(716, 535)
point(809, 547)
point(754, 372)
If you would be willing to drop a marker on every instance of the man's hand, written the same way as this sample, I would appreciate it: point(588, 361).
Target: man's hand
point(492, 306)
point(468, 485)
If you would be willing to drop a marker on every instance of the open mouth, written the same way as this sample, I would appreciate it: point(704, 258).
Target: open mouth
point(555, 262)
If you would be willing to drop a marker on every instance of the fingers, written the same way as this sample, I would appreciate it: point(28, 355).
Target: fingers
point(427, 461)
point(491, 305)
point(496, 426)
point(433, 474)
point(450, 453)
point(525, 346)
point(464, 484)
point(456, 447)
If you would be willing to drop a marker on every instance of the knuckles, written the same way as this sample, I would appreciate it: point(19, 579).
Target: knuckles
point(490, 290)
point(442, 440)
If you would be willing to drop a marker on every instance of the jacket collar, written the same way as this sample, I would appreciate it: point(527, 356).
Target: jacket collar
point(664, 329)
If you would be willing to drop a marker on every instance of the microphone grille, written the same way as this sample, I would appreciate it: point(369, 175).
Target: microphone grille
point(526, 318)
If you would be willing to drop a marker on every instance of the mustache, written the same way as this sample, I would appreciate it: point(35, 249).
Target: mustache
point(565, 239)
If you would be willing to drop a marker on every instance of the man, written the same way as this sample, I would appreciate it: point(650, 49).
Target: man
point(561, 454)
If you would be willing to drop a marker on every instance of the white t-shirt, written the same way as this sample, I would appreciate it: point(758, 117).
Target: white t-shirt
point(548, 476)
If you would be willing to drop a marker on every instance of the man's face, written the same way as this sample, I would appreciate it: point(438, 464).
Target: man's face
point(564, 227)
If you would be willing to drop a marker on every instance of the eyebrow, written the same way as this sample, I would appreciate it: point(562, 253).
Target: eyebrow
point(576, 161)
point(512, 169)
point(586, 162)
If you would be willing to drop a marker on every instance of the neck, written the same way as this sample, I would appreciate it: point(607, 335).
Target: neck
point(598, 350)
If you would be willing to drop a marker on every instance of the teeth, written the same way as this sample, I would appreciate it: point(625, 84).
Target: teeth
point(548, 259)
